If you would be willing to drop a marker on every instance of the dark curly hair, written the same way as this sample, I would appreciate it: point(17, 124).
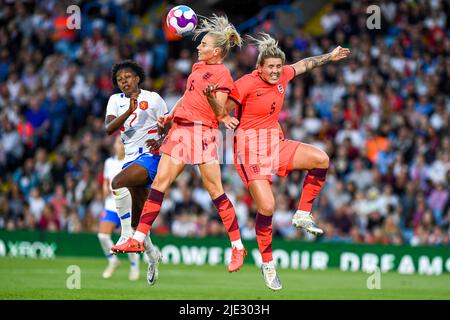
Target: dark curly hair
point(127, 64)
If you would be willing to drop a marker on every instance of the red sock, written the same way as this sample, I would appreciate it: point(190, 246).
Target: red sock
point(150, 211)
point(314, 181)
point(228, 216)
point(263, 227)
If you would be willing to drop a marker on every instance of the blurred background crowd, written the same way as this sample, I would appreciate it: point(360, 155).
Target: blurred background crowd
point(382, 115)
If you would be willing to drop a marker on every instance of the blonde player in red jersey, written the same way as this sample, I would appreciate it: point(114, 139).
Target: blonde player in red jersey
point(193, 138)
point(260, 147)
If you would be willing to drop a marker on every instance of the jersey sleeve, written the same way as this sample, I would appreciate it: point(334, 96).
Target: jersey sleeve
point(243, 87)
point(111, 108)
point(288, 73)
point(234, 95)
point(196, 66)
point(160, 108)
point(225, 81)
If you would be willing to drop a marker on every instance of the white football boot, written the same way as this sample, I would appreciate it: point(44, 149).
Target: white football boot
point(112, 266)
point(270, 276)
point(305, 221)
point(153, 263)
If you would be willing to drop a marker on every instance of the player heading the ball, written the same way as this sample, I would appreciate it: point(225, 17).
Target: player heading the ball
point(194, 136)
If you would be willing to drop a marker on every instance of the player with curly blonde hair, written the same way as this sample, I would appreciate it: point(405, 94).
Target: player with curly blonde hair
point(193, 138)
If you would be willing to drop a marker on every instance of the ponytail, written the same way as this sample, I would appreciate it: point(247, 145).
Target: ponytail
point(268, 48)
point(224, 33)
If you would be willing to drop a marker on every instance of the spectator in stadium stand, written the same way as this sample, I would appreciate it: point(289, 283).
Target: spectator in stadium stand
point(57, 108)
point(404, 60)
point(39, 119)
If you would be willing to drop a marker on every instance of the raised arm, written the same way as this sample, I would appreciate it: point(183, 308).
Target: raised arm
point(112, 123)
point(310, 63)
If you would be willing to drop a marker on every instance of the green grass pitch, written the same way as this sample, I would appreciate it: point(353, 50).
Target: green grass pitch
point(22, 278)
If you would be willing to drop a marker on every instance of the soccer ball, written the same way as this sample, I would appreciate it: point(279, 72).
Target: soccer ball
point(181, 20)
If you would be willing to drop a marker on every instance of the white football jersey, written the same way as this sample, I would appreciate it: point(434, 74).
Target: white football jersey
point(111, 168)
point(141, 125)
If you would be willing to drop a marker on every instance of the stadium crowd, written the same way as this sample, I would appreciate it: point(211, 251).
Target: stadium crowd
point(382, 116)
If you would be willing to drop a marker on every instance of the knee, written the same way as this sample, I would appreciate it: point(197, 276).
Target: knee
point(323, 161)
point(117, 183)
point(267, 207)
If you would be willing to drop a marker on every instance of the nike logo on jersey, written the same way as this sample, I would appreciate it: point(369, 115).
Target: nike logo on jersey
point(122, 106)
point(259, 94)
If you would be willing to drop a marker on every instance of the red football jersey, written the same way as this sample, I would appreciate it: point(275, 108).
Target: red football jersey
point(261, 102)
point(195, 106)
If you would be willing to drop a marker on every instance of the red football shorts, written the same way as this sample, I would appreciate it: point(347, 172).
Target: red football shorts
point(191, 143)
point(258, 165)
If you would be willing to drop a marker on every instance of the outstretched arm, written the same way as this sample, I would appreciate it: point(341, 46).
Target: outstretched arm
point(310, 63)
point(165, 119)
point(153, 144)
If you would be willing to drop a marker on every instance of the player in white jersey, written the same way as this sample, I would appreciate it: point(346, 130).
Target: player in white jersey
point(110, 219)
point(135, 112)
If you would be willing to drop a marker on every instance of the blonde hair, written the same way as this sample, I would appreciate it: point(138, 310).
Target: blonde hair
point(268, 48)
point(223, 32)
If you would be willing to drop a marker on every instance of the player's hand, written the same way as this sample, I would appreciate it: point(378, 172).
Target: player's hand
point(229, 121)
point(153, 145)
point(339, 53)
point(165, 119)
point(210, 89)
point(133, 102)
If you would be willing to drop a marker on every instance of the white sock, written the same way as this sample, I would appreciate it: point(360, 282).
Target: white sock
point(106, 244)
point(149, 248)
point(302, 212)
point(139, 236)
point(237, 244)
point(134, 260)
point(270, 263)
point(122, 198)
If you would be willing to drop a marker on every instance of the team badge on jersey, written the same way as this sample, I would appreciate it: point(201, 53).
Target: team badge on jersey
point(143, 105)
point(255, 168)
point(280, 88)
point(207, 75)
